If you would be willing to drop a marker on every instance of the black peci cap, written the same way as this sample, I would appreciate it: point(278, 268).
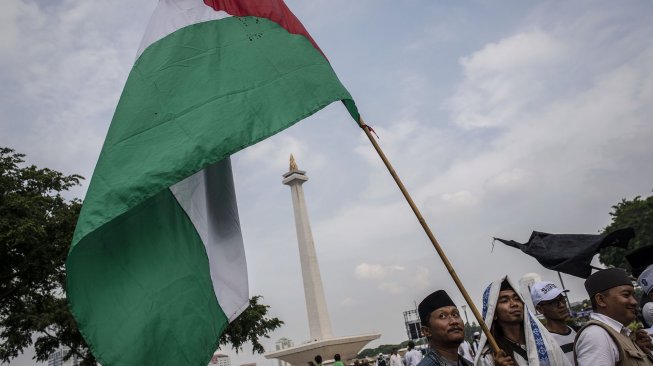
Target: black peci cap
point(434, 301)
point(606, 279)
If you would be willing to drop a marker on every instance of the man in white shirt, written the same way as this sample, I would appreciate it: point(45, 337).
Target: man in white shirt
point(465, 351)
point(395, 359)
point(550, 302)
point(605, 339)
point(413, 356)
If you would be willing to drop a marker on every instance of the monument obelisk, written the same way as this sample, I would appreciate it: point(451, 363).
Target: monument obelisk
point(322, 341)
point(319, 322)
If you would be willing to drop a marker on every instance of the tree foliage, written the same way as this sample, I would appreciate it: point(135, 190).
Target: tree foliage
point(251, 325)
point(636, 213)
point(36, 228)
point(386, 349)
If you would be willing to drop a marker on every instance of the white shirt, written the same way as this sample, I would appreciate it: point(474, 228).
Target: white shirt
point(566, 342)
point(413, 357)
point(465, 350)
point(475, 343)
point(595, 347)
point(395, 360)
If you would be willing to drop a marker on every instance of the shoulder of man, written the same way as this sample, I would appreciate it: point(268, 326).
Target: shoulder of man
point(593, 327)
point(593, 337)
point(434, 359)
point(593, 331)
point(426, 361)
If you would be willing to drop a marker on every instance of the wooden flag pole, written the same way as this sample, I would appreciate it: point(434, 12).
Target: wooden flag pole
point(434, 241)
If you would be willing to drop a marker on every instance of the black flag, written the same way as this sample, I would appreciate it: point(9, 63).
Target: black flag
point(570, 253)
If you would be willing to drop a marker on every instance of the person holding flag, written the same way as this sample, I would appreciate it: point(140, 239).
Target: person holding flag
point(517, 331)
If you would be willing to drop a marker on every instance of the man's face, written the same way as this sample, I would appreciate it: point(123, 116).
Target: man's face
point(555, 309)
point(510, 308)
point(618, 303)
point(445, 326)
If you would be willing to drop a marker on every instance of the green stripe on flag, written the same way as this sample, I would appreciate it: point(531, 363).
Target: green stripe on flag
point(142, 281)
point(197, 96)
point(139, 284)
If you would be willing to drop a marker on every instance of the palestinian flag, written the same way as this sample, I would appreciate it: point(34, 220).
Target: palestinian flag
point(157, 268)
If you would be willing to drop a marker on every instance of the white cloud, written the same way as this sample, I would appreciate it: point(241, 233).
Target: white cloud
point(422, 278)
point(460, 198)
point(63, 73)
point(376, 271)
point(519, 52)
point(508, 73)
point(392, 288)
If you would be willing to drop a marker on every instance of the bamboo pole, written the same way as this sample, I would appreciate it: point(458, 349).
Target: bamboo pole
point(434, 241)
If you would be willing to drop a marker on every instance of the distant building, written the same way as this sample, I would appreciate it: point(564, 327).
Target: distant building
point(413, 325)
point(56, 358)
point(220, 359)
point(283, 343)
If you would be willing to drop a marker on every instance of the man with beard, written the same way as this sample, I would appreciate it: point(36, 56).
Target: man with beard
point(444, 329)
point(606, 340)
point(550, 301)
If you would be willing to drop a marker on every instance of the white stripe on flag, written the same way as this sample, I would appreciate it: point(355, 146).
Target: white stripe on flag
point(209, 200)
point(172, 15)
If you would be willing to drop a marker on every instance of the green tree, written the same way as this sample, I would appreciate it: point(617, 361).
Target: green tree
point(36, 228)
point(251, 325)
point(636, 213)
point(470, 329)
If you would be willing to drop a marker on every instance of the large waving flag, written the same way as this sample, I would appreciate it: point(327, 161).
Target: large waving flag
point(157, 266)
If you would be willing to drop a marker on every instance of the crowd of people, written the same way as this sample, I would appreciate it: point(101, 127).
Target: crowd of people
point(611, 336)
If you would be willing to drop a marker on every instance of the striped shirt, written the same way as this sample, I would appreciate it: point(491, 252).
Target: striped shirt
point(566, 342)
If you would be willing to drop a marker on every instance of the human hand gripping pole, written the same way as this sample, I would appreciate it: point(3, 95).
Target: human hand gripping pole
point(368, 131)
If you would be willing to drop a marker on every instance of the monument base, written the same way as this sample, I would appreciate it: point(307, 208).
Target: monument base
point(347, 347)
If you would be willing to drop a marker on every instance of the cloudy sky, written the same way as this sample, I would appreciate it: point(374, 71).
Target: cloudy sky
point(500, 117)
